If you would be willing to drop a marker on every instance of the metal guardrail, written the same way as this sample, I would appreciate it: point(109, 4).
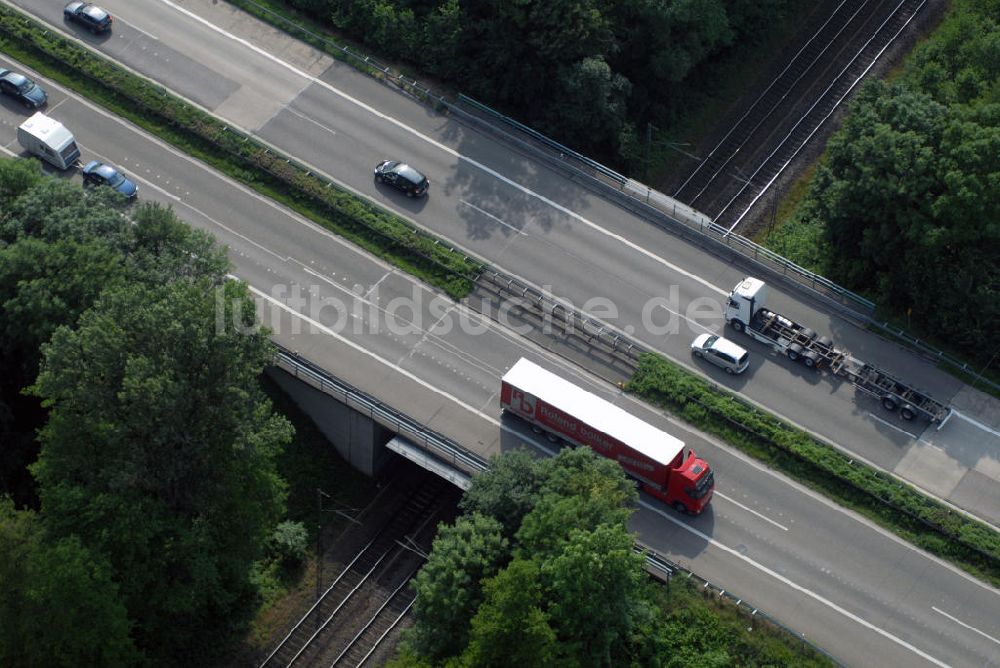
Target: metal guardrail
point(339, 51)
point(662, 209)
point(679, 218)
point(693, 225)
point(441, 446)
point(572, 320)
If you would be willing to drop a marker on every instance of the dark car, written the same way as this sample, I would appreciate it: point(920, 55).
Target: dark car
point(90, 16)
point(98, 173)
point(402, 177)
point(22, 89)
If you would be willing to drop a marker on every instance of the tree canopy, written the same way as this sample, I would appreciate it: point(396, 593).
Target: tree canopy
point(566, 590)
point(156, 455)
point(58, 605)
point(907, 196)
point(586, 72)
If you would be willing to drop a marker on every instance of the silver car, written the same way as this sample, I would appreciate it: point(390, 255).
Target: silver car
point(721, 352)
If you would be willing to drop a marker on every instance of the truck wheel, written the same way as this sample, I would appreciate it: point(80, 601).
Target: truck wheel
point(552, 437)
point(889, 403)
point(809, 359)
point(535, 428)
point(808, 333)
point(825, 341)
point(680, 507)
point(793, 351)
point(907, 412)
point(737, 325)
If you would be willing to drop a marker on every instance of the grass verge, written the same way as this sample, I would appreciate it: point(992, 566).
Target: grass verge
point(900, 508)
point(237, 155)
point(716, 632)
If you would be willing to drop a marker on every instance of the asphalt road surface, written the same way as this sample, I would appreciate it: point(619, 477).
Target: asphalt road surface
point(863, 595)
point(553, 233)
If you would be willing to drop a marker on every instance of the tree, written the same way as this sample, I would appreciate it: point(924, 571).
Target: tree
point(159, 453)
point(510, 627)
point(449, 586)
point(507, 490)
point(45, 284)
point(906, 197)
point(58, 603)
point(64, 248)
point(573, 594)
point(592, 104)
point(579, 472)
point(595, 587)
point(16, 177)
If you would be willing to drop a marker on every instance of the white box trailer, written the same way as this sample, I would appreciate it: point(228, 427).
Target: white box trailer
point(660, 462)
point(49, 140)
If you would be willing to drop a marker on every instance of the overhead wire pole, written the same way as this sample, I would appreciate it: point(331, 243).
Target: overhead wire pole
point(319, 534)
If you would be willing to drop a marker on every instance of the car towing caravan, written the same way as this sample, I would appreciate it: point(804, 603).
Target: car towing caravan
point(49, 140)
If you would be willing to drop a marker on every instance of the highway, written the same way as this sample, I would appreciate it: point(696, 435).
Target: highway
point(858, 592)
point(553, 233)
point(850, 587)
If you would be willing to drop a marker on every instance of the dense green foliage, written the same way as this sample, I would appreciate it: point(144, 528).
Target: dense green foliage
point(241, 157)
point(58, 603)
point(156, 468)
point(566, 588)
point(587, 73)
point(903, 207)
point(901, 508)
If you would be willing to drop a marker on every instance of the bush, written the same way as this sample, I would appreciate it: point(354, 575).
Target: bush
point(289, 543)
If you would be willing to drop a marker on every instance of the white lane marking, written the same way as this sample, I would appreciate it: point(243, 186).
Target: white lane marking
point(961, 623)
point(308, 120)
point(891, 426)
point(377, 283)
point(977, 423)
point(711, 329)
point(797, 587)
point(137, 29)
point(364, 351)
point(492, 217)
point(751, 510)
point(446, 149)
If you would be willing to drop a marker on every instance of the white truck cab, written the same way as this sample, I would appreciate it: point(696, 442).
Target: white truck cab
point(748, 296)
point(49, 140)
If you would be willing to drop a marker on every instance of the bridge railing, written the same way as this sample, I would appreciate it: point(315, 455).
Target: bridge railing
point(445, 448)
point(429, 440)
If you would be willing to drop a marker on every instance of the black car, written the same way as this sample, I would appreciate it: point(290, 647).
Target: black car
point(90, 16)
point(402, 177)
point(22, 89)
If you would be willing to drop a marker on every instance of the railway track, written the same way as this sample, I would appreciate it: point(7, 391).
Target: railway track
point(369, 639)
point(737, 173)
point(349, 619)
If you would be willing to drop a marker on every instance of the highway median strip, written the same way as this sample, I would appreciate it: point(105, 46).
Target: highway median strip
point(902, 509)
